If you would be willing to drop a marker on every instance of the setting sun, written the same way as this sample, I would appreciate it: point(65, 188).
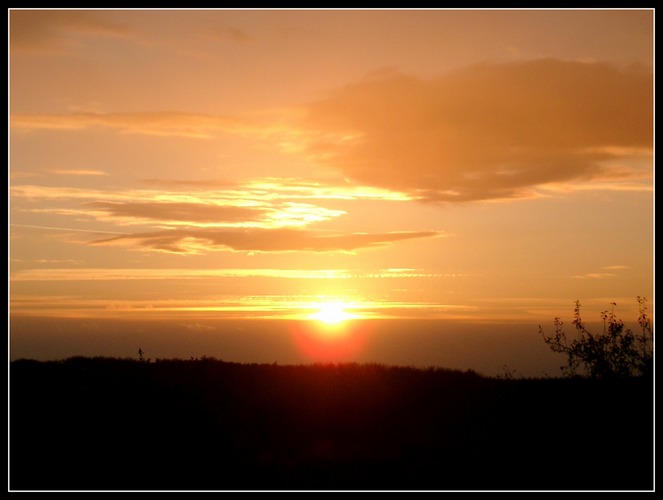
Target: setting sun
point(332, 313)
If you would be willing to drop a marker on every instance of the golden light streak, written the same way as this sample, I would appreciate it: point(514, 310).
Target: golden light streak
point(299, 188)
point(98, 274)
point(330, 311)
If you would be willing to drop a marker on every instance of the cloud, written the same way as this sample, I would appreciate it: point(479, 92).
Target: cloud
point(165, 123)
point(190, 217)
point(211, 213)
point(53, 30)
point(615, 267)
point(607, 273)
point(491, 131)
point(259, 240)
point(594, 276)
point(278, 188)
point(64, 229)
point(81, 172)
point(260, 202)
point(179, 212)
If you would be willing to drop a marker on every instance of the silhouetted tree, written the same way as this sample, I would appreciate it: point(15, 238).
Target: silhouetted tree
point(616, 352)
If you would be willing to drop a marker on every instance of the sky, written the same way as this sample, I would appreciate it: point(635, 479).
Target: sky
point(186, 166)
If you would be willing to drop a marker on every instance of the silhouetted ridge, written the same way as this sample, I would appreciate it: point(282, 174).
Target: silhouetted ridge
point(107, 423)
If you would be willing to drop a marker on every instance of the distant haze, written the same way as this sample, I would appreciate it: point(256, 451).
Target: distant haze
point(490, 349)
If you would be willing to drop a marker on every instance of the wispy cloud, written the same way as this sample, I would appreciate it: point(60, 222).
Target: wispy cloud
point(606, 272)
point(209, 214)
point(166, 123)
point(63, 229)
point(594, 276)
point(263, 202)
point(192, 241)
point(178, 213)
point(255, 216)
point(78, 172)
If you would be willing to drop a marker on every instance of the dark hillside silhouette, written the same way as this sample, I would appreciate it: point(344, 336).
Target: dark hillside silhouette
point(105, 423)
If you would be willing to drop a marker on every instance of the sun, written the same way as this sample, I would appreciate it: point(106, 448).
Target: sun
point(330, 332)
point(332, 313)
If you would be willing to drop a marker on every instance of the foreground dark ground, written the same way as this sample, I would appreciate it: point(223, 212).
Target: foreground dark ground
point(103, 423)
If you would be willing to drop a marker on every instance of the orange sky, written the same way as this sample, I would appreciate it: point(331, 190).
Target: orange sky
point(453, 164)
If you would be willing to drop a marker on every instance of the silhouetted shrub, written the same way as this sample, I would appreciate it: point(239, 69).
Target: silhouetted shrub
point(615, 352)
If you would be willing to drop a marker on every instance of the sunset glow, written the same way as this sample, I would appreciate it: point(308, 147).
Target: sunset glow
point(198, 167)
